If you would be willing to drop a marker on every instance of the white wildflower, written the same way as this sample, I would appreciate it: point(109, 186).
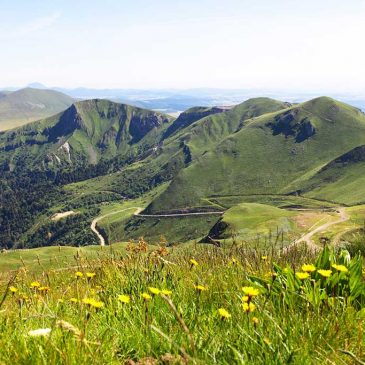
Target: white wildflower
point(40, 332)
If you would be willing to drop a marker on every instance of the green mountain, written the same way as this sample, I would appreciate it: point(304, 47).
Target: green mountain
point(342, 180)
point(262, 151)
point(276, 153)
point(189, 117)
point(84, 134)
point(27, 105)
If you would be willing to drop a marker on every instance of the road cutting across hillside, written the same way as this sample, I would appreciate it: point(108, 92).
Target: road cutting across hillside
point(96, 220)
point(137, 212)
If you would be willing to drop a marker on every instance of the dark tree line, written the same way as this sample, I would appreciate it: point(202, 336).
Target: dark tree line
point(23, 197)
point(26, 195)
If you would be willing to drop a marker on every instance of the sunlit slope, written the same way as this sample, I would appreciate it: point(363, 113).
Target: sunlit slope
point(205, 133)
point(274, 153)
point(84, 134)
point(247, 220)
point(186, 144)
point(342, 180)
point(27, 105)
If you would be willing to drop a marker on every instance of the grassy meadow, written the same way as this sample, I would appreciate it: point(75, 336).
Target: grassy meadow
point(189, 304)
point(251, 297)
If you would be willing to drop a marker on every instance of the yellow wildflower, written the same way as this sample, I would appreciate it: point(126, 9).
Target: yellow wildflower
point(97, 304)
point(124, 298)
point(35, 284)
point(146, 296)
point(245, 298)
point(74, 300)
point(264, 258)
point(255, 320)
point(194, 262)
point(248, 307)
point(325, 273)
point(166, 292)
point(308, 268)
point(302, 275)
point(250, 291)
point(44, 289)
point(93, 303)
point(13, 289)
point(200, 288)
point(90, 275)
point(153, 290)
point(224, 314)
point(86, 300)
point(79, 274)
point(340, 268)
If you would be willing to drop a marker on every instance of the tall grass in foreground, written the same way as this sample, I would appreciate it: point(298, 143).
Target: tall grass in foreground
point(197, 306)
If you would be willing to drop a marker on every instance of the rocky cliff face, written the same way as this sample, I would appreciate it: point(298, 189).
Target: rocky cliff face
point(291, 124)
point(140, 125)
point(93, 129)
point(68, 122)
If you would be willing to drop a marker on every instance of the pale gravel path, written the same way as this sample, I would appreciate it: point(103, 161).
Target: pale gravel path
point(96, 220)
point(59, 216)
point(307, 238)
point(176, 214)
point(136, 213)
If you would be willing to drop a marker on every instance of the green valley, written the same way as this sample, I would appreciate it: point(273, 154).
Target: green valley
point(211, 174)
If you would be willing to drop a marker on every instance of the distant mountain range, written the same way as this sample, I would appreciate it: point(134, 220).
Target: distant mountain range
point(30, 104)
point(259, 146)
point(177, 100)
point(262, 146)
point(174, 101)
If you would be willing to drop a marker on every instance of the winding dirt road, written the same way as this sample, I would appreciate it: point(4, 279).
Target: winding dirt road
point(136, 213)
point(307, 238)
point(96, 220)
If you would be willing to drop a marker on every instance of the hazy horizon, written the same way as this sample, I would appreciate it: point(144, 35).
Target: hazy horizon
point(238, 44)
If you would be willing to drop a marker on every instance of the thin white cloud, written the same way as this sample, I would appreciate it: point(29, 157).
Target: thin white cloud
point(38, 24)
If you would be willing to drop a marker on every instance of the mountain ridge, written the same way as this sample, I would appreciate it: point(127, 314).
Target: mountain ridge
point(261, 147)
point(30, 104)
point(290, 158)
point(91, 127)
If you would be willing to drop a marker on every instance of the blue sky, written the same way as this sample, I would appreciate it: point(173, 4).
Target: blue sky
point(277, 44)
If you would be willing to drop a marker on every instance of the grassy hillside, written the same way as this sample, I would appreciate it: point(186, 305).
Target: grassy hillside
point(48, 258)
point(276, 200)
point(307, 155)
point(190, 116)
point(248, 220)
point(84, 134)
point(342, 180)
point(27, 105)
point(197, 305)
point(273, 153)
